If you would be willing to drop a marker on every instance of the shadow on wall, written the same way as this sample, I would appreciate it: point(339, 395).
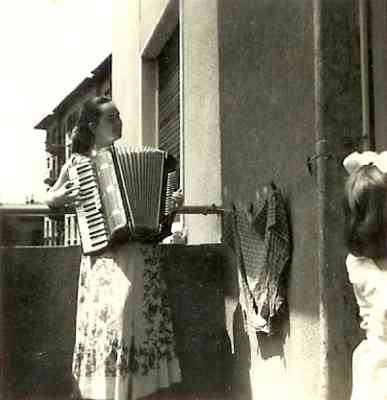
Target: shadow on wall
point(268, 347)
point(242, 356)
point(251, 346)
point(195, 276)
point(273, 346)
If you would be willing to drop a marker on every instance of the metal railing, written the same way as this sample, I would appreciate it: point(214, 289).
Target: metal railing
point(51, 236)
point(34, 210)
point(16, 230)
point(43, 210)
point(204, 210)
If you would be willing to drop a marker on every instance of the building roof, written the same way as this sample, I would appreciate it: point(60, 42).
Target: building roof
point(45, 122)
point(97, 74)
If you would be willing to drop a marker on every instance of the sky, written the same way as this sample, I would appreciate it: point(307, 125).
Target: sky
point(48, 47)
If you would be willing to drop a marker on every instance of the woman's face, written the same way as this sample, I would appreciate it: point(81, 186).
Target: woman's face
point(109, 126)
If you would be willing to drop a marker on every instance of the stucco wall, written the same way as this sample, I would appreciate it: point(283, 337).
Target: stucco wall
point(377, 18)
point(200, 116)
point(339, 111)
point(267, 127)
point(267, 108)
point(249, 104)
point(126, 67)
point(150, 13)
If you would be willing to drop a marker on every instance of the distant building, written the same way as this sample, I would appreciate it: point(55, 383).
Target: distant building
point(58, 126)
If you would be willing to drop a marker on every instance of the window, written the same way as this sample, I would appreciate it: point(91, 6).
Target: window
point(54, 136)
point(72, 121)
point(54, 166)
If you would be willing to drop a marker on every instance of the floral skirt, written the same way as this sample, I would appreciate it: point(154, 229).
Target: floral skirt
point(125, 345)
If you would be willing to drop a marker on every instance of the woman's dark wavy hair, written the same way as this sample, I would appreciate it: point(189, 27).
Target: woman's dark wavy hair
point(82, 139)
point(364, 209)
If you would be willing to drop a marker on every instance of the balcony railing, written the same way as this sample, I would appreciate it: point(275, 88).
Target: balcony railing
point(55, 148)
point(15, 232)
point(39, 295)
point(27, 225)
point(33, 210)
point(43, 210)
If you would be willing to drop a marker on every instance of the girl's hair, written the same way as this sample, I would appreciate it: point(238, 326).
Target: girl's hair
point(364, 209)
point(82, 139)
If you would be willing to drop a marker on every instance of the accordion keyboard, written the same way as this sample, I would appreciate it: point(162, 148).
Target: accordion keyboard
point(90, 217)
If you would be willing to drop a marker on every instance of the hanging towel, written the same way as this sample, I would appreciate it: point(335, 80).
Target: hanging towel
point(261, 242)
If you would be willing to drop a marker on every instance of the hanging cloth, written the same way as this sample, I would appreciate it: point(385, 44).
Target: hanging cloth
point(261, 242)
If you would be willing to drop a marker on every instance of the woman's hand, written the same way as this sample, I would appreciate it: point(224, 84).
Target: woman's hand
point(69, 192)
point(64, 191)
point(178, 197)
point(66, 194)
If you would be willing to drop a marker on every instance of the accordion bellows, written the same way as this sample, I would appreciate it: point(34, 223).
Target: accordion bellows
point(124, 194)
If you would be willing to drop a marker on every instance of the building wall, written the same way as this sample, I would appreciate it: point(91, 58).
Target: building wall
point(267, 124)
point(147, 25)
point(134, 89)
point(150, 14)
point(201, 128)
point(377, 19)
point(338, 108)
point(269, 104)
point(126, 67)
point(258, 89)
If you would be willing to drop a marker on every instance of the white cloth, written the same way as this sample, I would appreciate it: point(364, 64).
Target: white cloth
point(356, 160)
point(369, 361)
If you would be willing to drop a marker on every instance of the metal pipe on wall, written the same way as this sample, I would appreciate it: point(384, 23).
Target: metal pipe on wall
point(321, 173)
point(365, 79)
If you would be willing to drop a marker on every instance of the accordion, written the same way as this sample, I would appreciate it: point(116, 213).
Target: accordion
point(125, 194)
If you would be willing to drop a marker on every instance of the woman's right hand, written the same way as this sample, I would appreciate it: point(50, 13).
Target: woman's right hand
point(69, 192)
point(64, 191)
point(66, 194)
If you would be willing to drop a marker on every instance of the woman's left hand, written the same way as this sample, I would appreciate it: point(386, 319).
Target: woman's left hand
point(178, 197)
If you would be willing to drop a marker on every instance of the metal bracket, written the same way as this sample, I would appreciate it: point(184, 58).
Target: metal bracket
point(310, 160)
point(204, 210)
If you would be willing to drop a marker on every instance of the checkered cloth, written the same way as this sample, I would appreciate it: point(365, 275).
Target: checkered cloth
point(261, 241)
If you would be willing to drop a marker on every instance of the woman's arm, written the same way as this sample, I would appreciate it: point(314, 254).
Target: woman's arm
point(63, 191)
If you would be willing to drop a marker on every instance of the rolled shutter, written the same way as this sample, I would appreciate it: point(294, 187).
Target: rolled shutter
point(169, 97)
